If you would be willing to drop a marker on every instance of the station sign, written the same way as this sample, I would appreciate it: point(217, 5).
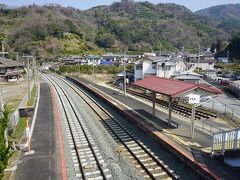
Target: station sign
point(194, 99)
point(26, 112)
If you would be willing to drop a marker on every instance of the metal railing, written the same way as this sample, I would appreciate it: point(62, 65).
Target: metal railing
point(208, 128)
point(226, 141)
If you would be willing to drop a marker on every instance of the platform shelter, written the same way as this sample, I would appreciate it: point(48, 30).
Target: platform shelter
point(172, 89)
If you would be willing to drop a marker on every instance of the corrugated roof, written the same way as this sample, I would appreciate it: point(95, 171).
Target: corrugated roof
point(187, 77)
point(9, 63)
point(105, 62)
point(172, 87)
point(206, 60)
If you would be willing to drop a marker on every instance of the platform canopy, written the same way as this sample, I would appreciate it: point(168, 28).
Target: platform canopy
point(173, 88)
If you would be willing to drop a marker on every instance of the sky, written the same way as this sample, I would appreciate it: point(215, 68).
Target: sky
point(194, 5)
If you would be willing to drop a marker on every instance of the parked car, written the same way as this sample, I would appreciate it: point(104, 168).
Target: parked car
point(236, 77)
point(12, 79)
point(224, 82)
point(204, 98)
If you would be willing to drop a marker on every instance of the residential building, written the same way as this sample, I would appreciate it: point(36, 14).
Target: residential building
point(109, 57)
point(158, 66)
point(203, 64)
point(91, 59)
point(10, 69)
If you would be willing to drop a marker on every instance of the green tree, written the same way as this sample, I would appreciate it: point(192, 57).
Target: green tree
point(73, 28)
point(106, 40)
point(234, 47)
point(2, 39)
point(2, 36)
point(213, 47)
point(219, 46)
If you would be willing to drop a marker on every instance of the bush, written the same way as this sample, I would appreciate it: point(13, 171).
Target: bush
point(99, 69)
point(4, 150)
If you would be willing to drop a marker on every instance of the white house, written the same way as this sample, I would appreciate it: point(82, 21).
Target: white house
point(91, 59)
point(158, 66)
point(204, 64)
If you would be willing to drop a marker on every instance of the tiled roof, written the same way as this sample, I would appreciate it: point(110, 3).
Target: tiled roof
point(9, 63)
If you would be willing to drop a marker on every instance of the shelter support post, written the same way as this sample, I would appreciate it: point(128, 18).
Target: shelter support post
point(170, 110)
point(154, 102)
point(193, 122)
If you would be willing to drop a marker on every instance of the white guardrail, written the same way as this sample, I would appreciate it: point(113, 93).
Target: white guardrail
point(226, 141)
point(15, 116)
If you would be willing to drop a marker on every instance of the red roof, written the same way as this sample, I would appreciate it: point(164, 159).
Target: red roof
point(171, 87)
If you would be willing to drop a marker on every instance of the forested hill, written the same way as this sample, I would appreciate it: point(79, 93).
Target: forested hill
point(48, 31)
point(225, 17)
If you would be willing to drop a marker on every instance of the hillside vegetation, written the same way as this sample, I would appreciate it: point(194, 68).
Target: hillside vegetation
point(225, 17)
point(50, 31)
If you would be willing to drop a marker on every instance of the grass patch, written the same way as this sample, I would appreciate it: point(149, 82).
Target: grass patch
point(31, 101)
point(19, 131)
point(7, 175)
point(12, 104)
point(20, 128)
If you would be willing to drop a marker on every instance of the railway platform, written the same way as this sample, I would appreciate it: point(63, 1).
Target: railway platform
point(195, 152)
point(44, 162)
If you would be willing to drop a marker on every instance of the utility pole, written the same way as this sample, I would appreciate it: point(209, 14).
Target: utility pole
point(198, 56)
point(193, 121)
point(28, 69)
point(227, 59)
point(17, 66)
point(160, 54)
point(34, 70)
point(124, 79)
point(79, 69)
point(29, 89)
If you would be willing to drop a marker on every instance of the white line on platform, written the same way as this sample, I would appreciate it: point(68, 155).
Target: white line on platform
point(35, 114)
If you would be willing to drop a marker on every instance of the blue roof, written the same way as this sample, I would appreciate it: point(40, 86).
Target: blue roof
point(104, 62)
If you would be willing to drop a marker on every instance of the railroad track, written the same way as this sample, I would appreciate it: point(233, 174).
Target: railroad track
point(144, 160)
point(185, 111)
point(87, 160)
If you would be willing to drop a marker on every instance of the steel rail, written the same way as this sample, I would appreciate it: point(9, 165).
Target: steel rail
point(169, 172)
point(85, 134)
point(71, 132)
